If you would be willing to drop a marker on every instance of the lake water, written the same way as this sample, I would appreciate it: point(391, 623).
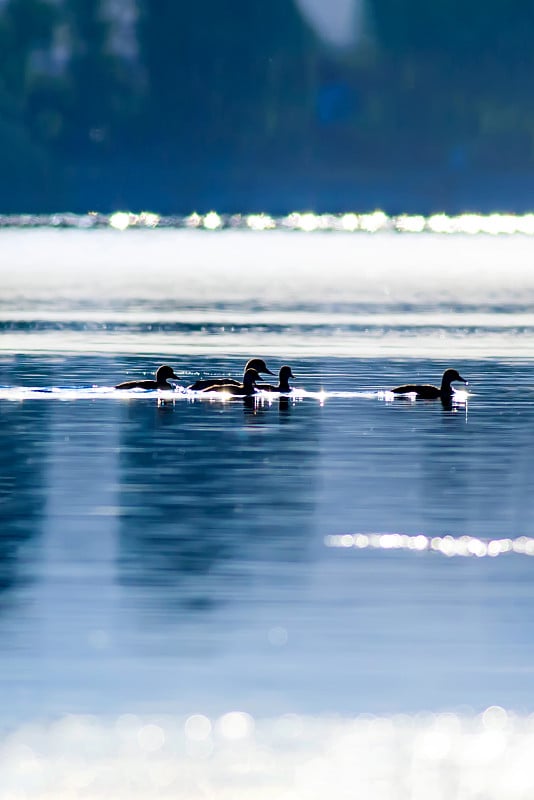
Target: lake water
point(280, 598)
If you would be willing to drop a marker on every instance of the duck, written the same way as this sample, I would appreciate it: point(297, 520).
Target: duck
point(425, 391)
point(162, 375)
point(254, 363)
point(283, 382)
point(245, 389)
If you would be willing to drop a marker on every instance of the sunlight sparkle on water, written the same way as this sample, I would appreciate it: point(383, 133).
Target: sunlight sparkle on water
point(440, 223)
point(236, 725)
point(120, 220)
point(435, 756)
point(193, 220)
point(410, 224)
point(260, 222)
point(212, 221)
point(373, 222)
point(446, 545)
point(350, 222)
point(307, 222)
point(148, 219)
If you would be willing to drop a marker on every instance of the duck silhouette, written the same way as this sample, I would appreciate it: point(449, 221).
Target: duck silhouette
point(245, 389)
point(163, 373)
point(426, 391)
point(283, 382)
point(254, 363)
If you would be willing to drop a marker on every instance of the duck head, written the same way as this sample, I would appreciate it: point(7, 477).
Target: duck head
point(250, 377)
point(259, 365)
point(285, 374)
point(164, 373)
point(451, 375)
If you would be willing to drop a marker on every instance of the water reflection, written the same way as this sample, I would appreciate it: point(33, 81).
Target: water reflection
point(24, 445)
point(23, 463)
point(207, 486)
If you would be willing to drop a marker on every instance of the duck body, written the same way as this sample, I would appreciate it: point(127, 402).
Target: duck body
point(162, 375)
point(283, 382)
point(426, 391)
point(257, 364)
point(245, 389)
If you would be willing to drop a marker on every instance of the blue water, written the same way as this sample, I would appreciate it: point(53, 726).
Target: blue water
point(166, 562)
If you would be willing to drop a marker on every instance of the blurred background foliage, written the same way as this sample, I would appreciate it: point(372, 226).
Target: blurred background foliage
point(247, 105)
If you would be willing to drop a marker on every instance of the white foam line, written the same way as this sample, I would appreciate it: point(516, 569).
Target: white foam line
point(18, 393)
point(446, 545)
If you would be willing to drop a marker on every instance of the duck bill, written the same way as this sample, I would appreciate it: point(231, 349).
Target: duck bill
point(267, 372)
point(463, 380)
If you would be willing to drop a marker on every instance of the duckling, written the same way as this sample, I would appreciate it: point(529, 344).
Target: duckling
point(283, 382)
point(245, 389)
point(164, 372)
point(426, 391)
point(254, 363)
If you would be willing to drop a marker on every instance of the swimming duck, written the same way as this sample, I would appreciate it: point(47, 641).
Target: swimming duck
point(245, 389)
point(283, 382)
point(164, 372)
point(254, 363)
point(425, 391)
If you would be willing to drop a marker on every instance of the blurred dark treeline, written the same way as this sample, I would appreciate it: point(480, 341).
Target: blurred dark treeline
point(171, 105)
